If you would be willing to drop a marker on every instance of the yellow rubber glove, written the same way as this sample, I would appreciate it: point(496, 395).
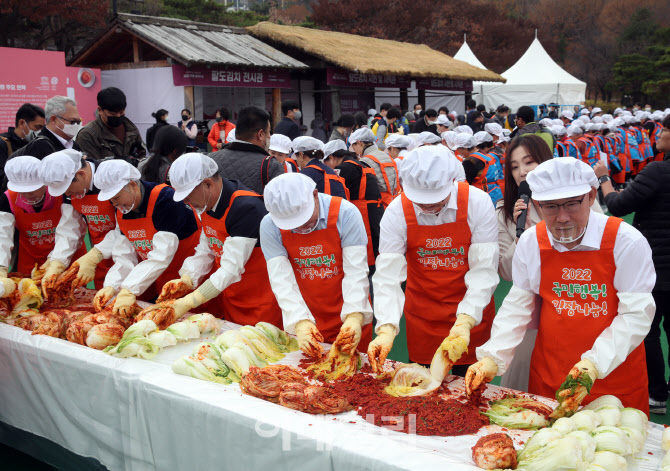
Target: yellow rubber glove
point(173, 286)
point(87, 264)
point(102, 297)
point(380, 347)
point(8, 286)
point(53, 269)
point(192, 300)
point(481, 372)
point(571, 397)
point(124, 302)
point(585, 366)
point(3, 272)
point(309, 338)
point(350, 333)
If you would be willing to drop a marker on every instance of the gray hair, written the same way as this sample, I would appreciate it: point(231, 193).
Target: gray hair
point(57, 105)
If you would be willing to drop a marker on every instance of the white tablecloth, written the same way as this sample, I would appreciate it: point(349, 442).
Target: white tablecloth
point(134, 414)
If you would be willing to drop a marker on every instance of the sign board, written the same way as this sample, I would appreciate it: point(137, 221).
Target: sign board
point(227, 77)
point(444, 84)
point(346, 78)
point(35, 77)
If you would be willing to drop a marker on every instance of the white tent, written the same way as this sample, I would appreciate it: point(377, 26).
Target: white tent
point(535, 79)
point(465, 54)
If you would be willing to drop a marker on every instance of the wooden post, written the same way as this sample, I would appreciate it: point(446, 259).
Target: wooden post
point(422, 99)
point(404, 100)
point(189, 99)
point(335, 103)
point(137, 52)
point(276, 107)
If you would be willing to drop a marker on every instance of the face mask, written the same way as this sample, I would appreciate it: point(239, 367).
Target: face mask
point(114, 121)
point(219, 119)
point(132, 206)
point(568, 236)
point(430, 123)
point(434, 213)
point(70, 130)
point(307, 231)
point(32, 135)
point(647, 109)
point(78, 196)
point(199, 211)
point(184, 117)
point(33, 202)
point(297, 114)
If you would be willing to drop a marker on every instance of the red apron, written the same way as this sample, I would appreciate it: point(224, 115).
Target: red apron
point(579, 301)
point(37, 232)
point(251, 299)
point(390, 193)
point(437, 261)
point(317, 264)
point(362, 204)
point(327, 178)
point(100, 219)
point(140, 232)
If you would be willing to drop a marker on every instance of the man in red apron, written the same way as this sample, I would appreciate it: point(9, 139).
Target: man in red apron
point(308, 152)
point(152, 227)
point(595, 275)
point(280, 149)
point(316, 251)
point(68, 172)
point(228, 249)
point(29, 207)
point(442, 237)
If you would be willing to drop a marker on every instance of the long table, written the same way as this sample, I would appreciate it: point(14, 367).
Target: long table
point(134, 414)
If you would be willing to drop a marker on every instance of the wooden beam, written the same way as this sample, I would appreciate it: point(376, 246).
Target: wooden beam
point(132, 65)
point(422, 99)
point(137, 52)
point(189, 99)
point(276, 107)
point(404, 100)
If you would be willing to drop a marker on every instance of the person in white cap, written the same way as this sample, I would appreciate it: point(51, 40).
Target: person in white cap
point(372, 114)
point(594, 275)
point(151, 227)
point(441, 237)
point(316, 251)
point(566, 117)
point(464, 130)
point(396, 147)
point(30, 209)
point(490, 179)
point(308, 152)
point(442, 123)
point(596, 112)
point(362, 141)
point(463, 145)
point(280, 149)
point(363, 189)
point(574, 133)
point(560, 133)
point(69, 173)
point(427, 138)
point(229, 244)
point(387, 124)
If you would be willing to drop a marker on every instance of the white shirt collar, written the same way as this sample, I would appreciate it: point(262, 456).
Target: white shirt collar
point(217, 201)
point(90, 186)
point(66, 143)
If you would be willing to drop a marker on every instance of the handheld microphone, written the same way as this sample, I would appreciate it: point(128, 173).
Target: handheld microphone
point(524, 194)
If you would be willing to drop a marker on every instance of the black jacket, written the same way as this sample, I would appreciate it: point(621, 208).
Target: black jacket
point(288, 128)
point(649, 197)
point(15, 143)
point(151, 134)
point(421, 126)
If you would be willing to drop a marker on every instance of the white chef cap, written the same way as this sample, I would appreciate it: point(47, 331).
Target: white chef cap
point(597, 119)
point(333, 146)
point(561, 177)
point(449, 137)
point(464, 130)
point(464, 141)
point(618, 122)
point(546, 122)
point(188, 171)
point(567, 114)
point(23, 174)
point(397, 140)
point(584, 119)
point(596, 110)
point(372, 112)
point(607, 118)
point(362, 135)
point(657, 116)
point(413, 144)
point(428, 174)
point(588, 127)
point(231, 136)
point(306, 144)
point(558, 130)
point(289, 198)
point(443, 120)
point(617, 111)
point(280, 143)
point(557, 122)
point(574, 130)
point(58, 170)
point(481, 137)
point(612, 125)
point(493, 128)
point(626, 113)
point(428, 137)
point(584, 112)
point(112, 175)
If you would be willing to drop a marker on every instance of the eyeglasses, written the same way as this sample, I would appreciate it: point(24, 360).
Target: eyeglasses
point(551, 209)
point(71, 121)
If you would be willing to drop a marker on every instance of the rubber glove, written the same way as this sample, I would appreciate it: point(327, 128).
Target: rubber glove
point(200, 296)
point(53, 269)
point(380, 347)
point(8, 286)
point(459, 335)
point(309, 338)
point(350, 333)
point(102, 297)
point(481, 372)
point(87, 264)
point(124, 302)
point(569, 396)
point(173, 286)
point(3, 272)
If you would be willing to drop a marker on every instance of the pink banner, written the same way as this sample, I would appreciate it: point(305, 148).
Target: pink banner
point(345, 78)
point(218, 77)
point(83, 84)
point(36, 77)
point(444, 84)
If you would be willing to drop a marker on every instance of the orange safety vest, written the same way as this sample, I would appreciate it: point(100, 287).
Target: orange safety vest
point(316, 259)
point(251, 299)
point(437, 262)
point(140, 232)
point(362, 204)
point(579, 301)
point(100, 219)
point(327, 178)
point(291, 165)
point(390, 193)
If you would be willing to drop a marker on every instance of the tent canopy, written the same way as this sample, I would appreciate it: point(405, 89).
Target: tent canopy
point(465, 54)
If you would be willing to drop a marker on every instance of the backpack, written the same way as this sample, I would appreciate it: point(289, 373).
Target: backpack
point(265, 170)
point(24, 150)
point(9, 145)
